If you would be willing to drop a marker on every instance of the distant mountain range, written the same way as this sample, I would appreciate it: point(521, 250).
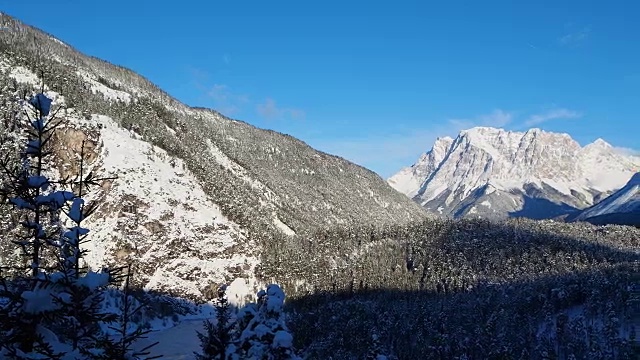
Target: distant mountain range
point(493, 173)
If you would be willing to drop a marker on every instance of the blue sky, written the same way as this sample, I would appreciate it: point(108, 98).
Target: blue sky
point(376, 82)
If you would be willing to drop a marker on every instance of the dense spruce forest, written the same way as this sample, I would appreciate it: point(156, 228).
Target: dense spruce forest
point(463, 289)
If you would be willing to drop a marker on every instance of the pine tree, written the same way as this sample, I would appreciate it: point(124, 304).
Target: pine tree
point(54, 310)
point(216, 339)
point(28, 302)
point(263, 333)
point(81, 291)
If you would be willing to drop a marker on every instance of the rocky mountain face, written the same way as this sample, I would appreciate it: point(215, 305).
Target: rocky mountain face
point(622, 207)
point(494, 173)
point(197, 196)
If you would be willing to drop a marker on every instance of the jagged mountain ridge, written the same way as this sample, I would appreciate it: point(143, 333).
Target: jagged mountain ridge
point(495, 173)
point(198, 195)
point(621, 207)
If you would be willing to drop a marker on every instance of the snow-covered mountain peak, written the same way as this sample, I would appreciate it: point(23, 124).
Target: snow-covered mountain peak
point(535, 162)
point(441, 146)
point(482, 130)
point(445, 139)
point(407, 180)
point(481, 136)
point(599, 143)
point(443, 142)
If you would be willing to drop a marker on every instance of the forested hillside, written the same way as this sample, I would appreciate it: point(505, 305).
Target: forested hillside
point(189, 178)
point(471, 289)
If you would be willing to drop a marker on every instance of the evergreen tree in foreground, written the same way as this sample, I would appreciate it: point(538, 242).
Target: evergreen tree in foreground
point(262, 331)
point(259, 331)
point(217, 337)
point(53, 308)
point(28, 300)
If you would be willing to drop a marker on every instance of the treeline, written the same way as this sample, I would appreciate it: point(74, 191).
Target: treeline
point(442, 255)
point(467, 289)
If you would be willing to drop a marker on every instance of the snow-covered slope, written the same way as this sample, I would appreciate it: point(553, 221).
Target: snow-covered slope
point(409, 180)
point(165, 220)
point(496, 173)
point(622, 207)
point(198, 196)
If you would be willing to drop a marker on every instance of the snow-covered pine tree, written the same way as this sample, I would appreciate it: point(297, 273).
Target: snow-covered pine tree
point(217, 337)
point(53, 311)
point(262, 331)
point(27, 303)
point(81, 291)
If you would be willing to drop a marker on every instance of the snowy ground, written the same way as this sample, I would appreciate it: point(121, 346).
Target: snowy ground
point(178, 342)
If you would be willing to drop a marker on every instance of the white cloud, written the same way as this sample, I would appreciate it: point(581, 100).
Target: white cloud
point(627, 151)
point(225, 101)
point(270, 110)
point(575, 37)
point(219, 97)
point(553, 114)
point(498, 118)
